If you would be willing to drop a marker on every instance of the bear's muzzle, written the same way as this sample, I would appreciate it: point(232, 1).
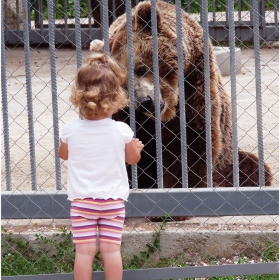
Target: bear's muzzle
point(146, 104)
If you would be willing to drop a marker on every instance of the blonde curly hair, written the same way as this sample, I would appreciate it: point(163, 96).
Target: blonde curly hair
point(98, 86)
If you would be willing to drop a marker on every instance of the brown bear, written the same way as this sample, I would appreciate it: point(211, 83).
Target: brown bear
point(221, 126)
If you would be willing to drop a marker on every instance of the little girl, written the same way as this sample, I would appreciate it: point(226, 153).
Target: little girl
point(97, 148)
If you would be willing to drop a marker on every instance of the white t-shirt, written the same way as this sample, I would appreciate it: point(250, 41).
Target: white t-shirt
point(96, 158)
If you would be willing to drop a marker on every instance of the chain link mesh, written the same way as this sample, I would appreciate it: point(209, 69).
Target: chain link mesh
point(185, 240)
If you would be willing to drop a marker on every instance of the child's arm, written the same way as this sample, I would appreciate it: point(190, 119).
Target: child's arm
point(63, 150)
point(133, 150)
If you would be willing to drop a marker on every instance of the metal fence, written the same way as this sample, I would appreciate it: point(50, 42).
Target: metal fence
point(36, 76)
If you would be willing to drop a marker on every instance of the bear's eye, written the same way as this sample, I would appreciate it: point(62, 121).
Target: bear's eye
point(141, 71)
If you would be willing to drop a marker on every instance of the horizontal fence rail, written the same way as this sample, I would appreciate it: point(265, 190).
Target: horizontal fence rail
point(174, 273)
point(150, 203)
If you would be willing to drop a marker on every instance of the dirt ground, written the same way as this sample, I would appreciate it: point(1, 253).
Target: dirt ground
point(225, 223)
point(66, 69)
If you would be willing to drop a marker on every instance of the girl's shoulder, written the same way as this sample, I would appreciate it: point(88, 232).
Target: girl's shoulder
point(124, 129)
point(121, 125)
point(67, 130)
point(71, 124)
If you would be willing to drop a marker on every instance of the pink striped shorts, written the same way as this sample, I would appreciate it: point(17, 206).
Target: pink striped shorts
point(91, 215)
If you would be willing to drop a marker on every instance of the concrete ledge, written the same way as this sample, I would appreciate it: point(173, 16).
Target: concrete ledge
point(223, 59)
point(191, 247)
point(198, 246)
point(193, 240)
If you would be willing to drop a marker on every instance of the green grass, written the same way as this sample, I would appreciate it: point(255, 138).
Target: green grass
point(21, 258)
point(56, 255)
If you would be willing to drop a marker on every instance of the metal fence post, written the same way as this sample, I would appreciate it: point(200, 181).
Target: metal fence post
point(29, 95)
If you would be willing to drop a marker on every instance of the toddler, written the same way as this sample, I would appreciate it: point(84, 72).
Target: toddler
point(97, 148)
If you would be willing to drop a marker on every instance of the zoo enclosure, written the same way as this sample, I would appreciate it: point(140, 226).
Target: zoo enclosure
point(43, 113)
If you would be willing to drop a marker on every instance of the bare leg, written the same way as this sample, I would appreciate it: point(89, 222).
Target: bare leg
point(85, 254)
point(112, 260)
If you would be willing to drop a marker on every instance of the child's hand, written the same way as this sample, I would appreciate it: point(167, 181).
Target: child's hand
point(138, 144)
point(133, 150)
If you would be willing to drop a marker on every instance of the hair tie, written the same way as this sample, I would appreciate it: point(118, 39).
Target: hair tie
point(106, 65)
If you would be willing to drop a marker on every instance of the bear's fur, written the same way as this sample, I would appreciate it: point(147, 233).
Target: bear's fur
point(221, 126)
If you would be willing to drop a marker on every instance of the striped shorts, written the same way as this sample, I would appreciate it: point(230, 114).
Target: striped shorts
point(91, 215)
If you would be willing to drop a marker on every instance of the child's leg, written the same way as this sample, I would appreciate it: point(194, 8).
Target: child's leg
point(110, 237)
point(84, 237)
point(85, 254)
point(112, 260)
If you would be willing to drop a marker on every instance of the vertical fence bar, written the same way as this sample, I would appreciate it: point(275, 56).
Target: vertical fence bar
point(157, 94)
point(131, 83)
point(276, 23)
point(5, 7)
point(29, 16)
point(105, 26)
point(54, 91)
point(188, 6)
point(18, 17)
point(233, 93)
point(89, 19)
point(226, 10)
point(37, 5)
point(114, 8)
point(251, 19)
point(258, 90)
point(262, 19)
point(40, 12)
point(29, 95)
point(182, 94)
point(78, 33)
point(214, 17)
point(65, 19)
point(214, 11)
point(5, 111)
point(239, 8)
point(78, 36)
point(207, 92)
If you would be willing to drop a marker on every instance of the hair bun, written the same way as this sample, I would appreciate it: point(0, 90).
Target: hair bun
point(91, 105)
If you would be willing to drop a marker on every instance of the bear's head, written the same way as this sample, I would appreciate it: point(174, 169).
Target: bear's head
point(144, 88)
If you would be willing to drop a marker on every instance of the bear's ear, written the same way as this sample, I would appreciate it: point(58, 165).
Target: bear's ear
point(143, 18)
